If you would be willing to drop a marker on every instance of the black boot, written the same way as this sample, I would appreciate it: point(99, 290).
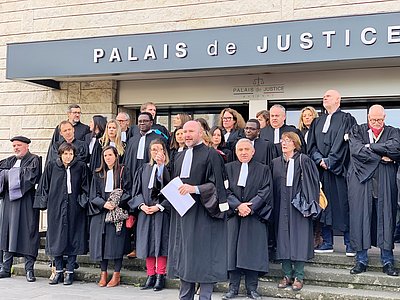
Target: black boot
point(59, 277)
point(151, 280)
point(69, 278)
point(160, 282)
point(30, 276)
point(5, 274)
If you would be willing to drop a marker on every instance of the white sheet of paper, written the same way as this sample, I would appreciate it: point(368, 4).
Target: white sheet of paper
point(182, 203)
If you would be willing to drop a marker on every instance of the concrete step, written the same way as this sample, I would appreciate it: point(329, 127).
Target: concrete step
point(315, 273)
point(266, 288)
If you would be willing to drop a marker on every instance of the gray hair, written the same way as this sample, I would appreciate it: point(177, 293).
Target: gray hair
point(278, 106)
point(71, 106)
point(243, 140)
point(125, 114)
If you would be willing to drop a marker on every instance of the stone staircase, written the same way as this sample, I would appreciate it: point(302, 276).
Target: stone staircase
point(327, 276)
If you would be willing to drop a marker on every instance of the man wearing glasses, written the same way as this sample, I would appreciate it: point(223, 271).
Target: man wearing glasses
point(123, 120)
point(374, 153)
point(74, 117)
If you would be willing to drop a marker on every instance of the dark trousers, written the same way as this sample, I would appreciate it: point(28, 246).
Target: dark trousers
point(250, 280)
point(187, 290)
point(8, 261)
point(117, 265)
point(71, 260)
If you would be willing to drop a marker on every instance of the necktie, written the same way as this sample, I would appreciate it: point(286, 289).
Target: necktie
point(109, 181)
point(290, 173)
point(17, 163)
point(226, 136)
point(327, 124)
point(123, 136)
point(91, 145)
point(187, 163)
point(152, 176)
point(142, 143)
point(244, 171)
point(277, 138)
point(69, 186)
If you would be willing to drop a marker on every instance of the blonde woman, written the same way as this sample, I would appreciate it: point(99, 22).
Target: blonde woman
point(307, 115)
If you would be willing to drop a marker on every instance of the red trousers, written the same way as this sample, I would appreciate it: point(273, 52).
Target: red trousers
point(156, 265)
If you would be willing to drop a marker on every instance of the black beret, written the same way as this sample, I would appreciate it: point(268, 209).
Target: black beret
point(21, 139)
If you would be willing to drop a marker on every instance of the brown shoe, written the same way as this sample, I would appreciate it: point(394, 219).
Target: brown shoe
point(103, 279)
point(115, 280)
point(297, 285)
point(285, 282)
point(132, 254)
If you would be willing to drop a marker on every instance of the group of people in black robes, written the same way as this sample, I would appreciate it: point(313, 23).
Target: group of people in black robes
point(256, 187)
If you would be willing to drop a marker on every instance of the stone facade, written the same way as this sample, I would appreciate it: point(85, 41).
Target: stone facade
point(35, 111)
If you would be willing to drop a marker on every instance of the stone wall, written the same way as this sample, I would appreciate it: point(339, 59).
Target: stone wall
point(35, 111)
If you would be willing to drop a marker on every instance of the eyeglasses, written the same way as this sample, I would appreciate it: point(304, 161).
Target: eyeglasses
point(143, 121)
point(250, 128)
point(122, 120)
point(227, 118)
point(75, 112)
point(286, 141)
point(376, 120)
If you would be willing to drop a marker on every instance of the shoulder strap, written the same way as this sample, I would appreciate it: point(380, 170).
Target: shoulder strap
point(120, 177)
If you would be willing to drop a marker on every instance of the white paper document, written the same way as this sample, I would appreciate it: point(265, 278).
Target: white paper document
point(181, 203)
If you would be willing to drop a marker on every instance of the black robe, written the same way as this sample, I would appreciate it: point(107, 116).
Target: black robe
point(267, 133)
point(152, 230)
point(234, 136)
point(104, 242)
point(130, 154)
point(66, 213)
point(248, 236)
point(19, 229)
point(82, 151)
point(80, 131)
point(294, 232)
point(197, 242)
point(334, 149)
point(95, 157)
point(366, 166)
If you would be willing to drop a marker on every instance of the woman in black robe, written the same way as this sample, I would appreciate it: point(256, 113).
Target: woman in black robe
point(63, 191)
point(153, 218)
point(97, 127)
point(294, 175)
point(218, 143)
point(109, 240)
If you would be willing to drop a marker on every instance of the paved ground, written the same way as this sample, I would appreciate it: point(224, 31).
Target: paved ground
point(16, 288)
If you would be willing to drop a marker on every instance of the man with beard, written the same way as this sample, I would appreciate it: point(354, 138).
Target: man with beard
point(19, 227)
point(197, 241)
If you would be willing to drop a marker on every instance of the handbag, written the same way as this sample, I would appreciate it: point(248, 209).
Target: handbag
point(130, 222)
point(323, 201)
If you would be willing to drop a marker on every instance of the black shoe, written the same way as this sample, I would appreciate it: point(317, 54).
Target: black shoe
point(30, 276)
point(69, 278)
point(160, 282)
point(230, 295)
point(5, 274)
point(390, 270)
point(59, 277)
point(358, 268)
point(254, 295)
point(150, 282)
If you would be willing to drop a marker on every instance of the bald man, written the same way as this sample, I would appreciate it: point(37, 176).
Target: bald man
point(328, 147)
point(198, 242)
point(374, 153)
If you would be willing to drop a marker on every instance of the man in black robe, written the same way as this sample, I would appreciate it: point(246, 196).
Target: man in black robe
point(250, 203)
point(197, 251)
point(328, 148)
point(137, 150)
point(127, 131)
point(137, 153)
point(74, 117)
point(151, 108)
point(374, 154)
point(277, 126)
point(265, 151)
point(67, 132)
point(19, 227)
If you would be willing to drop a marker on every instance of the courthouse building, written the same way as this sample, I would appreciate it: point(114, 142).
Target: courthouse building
point(195, 56)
